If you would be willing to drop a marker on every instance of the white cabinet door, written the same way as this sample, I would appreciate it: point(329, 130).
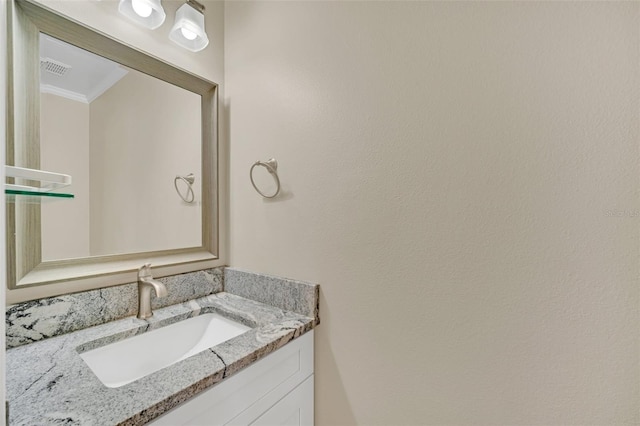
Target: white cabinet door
point(247, 395)
point(295, 409)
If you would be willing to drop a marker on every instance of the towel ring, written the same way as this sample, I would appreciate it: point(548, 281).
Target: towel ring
point(272, 167)
point(188, 179)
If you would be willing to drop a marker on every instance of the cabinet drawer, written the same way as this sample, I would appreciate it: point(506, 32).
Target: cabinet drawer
point(254, 389)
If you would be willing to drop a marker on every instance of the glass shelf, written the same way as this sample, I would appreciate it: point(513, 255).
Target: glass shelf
point(34, 197)
point(38, 193)
point(48, 183)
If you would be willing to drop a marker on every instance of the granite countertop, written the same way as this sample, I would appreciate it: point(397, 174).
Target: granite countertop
point(48, 383)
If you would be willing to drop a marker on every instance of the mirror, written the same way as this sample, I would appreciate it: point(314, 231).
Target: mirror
point(124, 137)
point(138, 137)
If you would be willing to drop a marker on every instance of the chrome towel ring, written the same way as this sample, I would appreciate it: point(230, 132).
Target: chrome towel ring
point(188, 179)
point(272, 168)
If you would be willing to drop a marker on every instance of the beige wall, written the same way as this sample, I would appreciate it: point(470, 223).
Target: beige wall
point(450, 174)
point(144, 132)
point(64, 148)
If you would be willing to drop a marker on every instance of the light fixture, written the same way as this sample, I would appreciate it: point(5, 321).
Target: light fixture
point(188, 29)
point(148, 13)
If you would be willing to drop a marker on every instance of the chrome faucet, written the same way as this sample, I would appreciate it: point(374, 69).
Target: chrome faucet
point(145, 284)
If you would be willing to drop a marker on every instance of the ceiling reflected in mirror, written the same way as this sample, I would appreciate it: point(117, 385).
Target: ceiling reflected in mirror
point(74, 73)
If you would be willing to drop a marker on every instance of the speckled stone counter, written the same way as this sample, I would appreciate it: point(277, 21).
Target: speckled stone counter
point(48, 383)
point(40, 319)
point(290, 295)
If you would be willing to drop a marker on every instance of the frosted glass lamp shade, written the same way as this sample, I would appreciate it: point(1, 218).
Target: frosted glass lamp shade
point(188, 30)
point(148, 13)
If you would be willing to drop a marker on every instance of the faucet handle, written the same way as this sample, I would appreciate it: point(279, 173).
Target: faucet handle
point(145, 271)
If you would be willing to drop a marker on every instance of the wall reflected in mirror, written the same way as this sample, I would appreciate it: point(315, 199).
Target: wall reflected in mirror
point(123, 136)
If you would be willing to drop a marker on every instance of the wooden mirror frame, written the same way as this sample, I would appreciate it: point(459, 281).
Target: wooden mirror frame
point(27, 274)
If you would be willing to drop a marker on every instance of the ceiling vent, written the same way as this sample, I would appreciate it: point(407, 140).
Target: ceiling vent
point(54, 67)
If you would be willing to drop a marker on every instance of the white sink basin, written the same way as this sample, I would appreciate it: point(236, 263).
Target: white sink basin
point(130, 359)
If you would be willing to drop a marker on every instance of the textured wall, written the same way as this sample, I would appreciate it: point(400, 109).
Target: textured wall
point(462, 180)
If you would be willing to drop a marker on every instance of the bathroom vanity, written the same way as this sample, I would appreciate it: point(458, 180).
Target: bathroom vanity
point(263, 375)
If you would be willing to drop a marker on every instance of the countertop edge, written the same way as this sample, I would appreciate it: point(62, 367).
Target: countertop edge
point(157, 410)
